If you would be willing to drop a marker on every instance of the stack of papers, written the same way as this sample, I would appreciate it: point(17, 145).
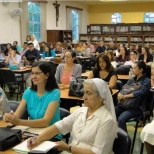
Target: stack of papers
point(27, 131)
point(42, 148)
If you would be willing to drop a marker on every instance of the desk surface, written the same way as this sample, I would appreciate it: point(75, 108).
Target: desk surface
point(28, 69)
point(64, 94)
point(123, 77)
point(86, 74)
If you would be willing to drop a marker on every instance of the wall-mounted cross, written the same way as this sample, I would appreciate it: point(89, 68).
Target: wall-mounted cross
point(56, 5)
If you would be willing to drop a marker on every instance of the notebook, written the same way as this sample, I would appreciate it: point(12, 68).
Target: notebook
point(44, 147)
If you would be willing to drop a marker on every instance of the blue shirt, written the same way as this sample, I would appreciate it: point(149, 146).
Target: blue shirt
point(49, 54)
point(37, 105)
point(145, 89)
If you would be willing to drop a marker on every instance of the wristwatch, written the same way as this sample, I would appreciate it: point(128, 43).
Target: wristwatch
point(69, 148)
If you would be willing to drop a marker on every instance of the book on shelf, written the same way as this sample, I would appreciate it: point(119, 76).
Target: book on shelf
point(44, 147)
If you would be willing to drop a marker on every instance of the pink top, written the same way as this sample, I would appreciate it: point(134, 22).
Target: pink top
point(65, 79)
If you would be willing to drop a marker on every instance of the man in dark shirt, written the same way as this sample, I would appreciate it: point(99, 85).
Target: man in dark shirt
point(32, 51)
point(101, 48)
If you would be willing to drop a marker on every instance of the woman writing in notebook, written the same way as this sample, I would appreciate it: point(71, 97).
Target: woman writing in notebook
point(41, 100)
point(66, 70)
point(93, 127)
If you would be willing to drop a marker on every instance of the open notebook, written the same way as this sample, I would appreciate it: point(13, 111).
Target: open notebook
point(44, 147)
point(27, 131)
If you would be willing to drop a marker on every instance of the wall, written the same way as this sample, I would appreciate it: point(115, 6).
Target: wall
point(9, 27)
point(131, 12)
point(51, 15)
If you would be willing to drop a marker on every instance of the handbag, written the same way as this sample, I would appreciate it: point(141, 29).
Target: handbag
point(76, 88)
point(9, 137)
point(130, 103)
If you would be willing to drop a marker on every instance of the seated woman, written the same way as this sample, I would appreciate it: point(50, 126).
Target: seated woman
point(66, 70)
point(145, 55)
point(13, 57)
point(123, 115)
point(98, 115)
point(147, 137)
point(111, 57)
point(147, 134)
point(48, 52)
point(122, 57)
point(104, 70)
point(41, 100)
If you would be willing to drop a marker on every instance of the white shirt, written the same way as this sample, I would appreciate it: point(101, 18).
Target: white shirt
point(36, 45)
point(147, 134)
point(96, 133)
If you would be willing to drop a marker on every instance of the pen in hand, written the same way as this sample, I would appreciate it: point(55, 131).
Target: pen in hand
point(32, 140)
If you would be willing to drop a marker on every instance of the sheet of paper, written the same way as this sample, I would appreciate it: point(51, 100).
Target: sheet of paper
point(43, 147)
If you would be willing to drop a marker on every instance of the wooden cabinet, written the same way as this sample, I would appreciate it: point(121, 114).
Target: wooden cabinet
point(66, 36)
point(120, 33)
point(63, 36)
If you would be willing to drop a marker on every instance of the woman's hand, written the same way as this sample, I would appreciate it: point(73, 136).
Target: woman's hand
point(33, 142)
point(10, 117)
point(120, 96)
point(61, 146)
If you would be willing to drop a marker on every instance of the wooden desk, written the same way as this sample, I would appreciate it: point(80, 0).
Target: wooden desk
point(86, 74)
point(64, 94)
point(10, 151)
point(123, 77)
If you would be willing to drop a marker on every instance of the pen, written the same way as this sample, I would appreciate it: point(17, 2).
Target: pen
point(33, 140)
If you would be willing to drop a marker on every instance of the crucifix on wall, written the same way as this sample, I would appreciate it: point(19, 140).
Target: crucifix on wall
point(56, 5)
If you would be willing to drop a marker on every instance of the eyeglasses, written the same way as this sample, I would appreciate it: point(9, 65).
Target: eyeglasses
point(36, 73)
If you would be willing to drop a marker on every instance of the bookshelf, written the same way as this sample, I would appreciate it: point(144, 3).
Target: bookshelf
point(64, 36)
point(120, 33)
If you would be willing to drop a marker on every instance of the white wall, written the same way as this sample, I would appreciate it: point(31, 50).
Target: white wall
point(9, 27)
point(51, 15)
point(16, 29)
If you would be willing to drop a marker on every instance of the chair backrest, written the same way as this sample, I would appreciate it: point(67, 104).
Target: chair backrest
point(64, 113)
point(122, 144)
point(14, 105)
point(7, 76)
point(119, 85)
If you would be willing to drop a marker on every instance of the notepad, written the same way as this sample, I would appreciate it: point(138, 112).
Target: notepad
point(44, 147)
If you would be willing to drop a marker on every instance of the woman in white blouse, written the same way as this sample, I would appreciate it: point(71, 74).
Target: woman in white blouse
point(93, 127)
point(35, 42)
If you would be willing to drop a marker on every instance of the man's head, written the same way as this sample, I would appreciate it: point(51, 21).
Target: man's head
point(31, 46)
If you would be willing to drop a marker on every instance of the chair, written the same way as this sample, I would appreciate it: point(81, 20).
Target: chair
point(147, 113)
point(122, 144)
point(8, 77)
point(14, 105)
point(64, 113)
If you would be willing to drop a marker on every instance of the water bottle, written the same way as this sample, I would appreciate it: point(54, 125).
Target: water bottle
point(72, 78)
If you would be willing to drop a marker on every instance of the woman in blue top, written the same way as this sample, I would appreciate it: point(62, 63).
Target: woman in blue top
point(41, 100)
point(48, 52)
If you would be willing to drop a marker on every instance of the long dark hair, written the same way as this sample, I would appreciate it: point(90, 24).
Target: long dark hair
point(106, 59)
point(46, 67)
point(146, 68)
point(73, 54)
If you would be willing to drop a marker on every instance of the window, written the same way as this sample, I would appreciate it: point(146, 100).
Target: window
point(116, 18)
point(149, 17)
point(75, 24)
point(34, 19)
